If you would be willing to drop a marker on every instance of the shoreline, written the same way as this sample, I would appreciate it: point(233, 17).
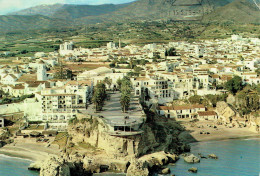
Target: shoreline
point(229, 138)
point(27, 155)
point(205, 131)
point(3, 155)
point(29, 150)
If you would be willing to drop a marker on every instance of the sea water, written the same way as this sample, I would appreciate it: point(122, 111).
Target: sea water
point(235, 158)
point(11, 166)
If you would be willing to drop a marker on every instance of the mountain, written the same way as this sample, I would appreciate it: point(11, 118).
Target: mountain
point(239, 11)
point(63, 15)
point(44, 10)
point(68, 11)
point(18, 23)
point(159, 9)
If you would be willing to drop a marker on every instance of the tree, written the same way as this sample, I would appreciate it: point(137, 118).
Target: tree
point(125, 89)
point(258, 71)
point(196, 99)
point(131, 63)
point(138, 69)
point(112, 65)
point(125, 101)
point(216, 98)
point(234, 85)
point(143, 62)
point(99, 96)
point(247, 101)
point(108, 81)
point(171, 52)
point(119, 82)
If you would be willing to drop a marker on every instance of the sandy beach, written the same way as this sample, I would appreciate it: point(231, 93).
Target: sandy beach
point(29, 149)
point(221, 132)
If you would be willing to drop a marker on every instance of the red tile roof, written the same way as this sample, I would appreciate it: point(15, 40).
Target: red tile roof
point(207, 113)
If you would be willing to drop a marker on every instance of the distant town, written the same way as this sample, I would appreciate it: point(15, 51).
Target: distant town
point(208, 85)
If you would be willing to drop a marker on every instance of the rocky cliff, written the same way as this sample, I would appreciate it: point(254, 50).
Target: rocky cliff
point(229, 116)
point(155, 137)
point(225, 112)
point(78, 165)
point(92, 149)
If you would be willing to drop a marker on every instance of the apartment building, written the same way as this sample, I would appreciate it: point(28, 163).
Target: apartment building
point(154, 87)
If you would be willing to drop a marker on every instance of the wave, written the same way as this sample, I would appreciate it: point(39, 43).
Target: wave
point(13, 157)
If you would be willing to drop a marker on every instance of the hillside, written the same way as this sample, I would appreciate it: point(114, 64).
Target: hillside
point(17, 23)
point(158, 9)
point(44, 10)
point(60, 15)
point(239, 11)
point(69, 11)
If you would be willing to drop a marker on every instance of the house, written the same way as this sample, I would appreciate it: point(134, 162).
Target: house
point(207, 115)
point(9, 79)
point(18, 90)
point(184, 111)
point(2, 121)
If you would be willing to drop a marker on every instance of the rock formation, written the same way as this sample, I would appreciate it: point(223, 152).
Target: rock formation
point(91, 148)
point(229, 116)
point(212, 156)
point(193, 170)
point(55, 166)
point(191, 159)
point(93, 131)
point(225, 112)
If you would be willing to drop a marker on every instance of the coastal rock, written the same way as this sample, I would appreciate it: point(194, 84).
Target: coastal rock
point(225, 112)
point(165, 171)
point(97, 165)
point(55, 166)
point(212, 156)
point(139, 168)
point(151, 163)
point(159, 159)
point(193, 170)
point(191, 159)
point(35, 166)
point(92, 131)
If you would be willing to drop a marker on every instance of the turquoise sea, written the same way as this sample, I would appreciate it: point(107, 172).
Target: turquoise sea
point(239, 157)
point(10, 166)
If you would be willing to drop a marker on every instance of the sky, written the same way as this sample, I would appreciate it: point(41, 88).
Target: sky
point(7, 6)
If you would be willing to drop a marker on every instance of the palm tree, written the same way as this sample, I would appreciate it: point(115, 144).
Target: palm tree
point(125, 101)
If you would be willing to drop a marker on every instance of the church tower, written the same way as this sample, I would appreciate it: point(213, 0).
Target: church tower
point(41, 72)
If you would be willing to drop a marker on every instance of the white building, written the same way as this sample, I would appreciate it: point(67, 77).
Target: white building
point(66, 48)
point(111, 45)
point(41, 72)
point(58, 105)
point(184, 111)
